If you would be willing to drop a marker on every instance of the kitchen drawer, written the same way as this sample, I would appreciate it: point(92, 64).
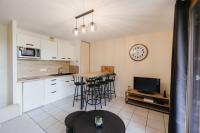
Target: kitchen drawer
point(51, 90)
point(51, 96)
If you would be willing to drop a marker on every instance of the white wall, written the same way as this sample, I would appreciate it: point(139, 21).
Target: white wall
point(115, 52)
point(4, 98)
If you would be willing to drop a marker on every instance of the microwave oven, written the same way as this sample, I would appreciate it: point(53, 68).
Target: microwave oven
point(25, 53)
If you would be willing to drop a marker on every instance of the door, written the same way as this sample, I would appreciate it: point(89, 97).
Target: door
point(84, 57)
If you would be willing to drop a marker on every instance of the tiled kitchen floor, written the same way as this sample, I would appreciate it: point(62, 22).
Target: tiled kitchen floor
point(50, 118)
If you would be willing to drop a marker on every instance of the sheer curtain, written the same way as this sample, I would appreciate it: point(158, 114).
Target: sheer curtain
point(194, 71)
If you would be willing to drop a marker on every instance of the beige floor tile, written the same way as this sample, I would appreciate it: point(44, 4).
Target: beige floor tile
point(40, 116)
point(136, 127)
point(156, 124)
point(155, 115)
point(151, 130)
point(125, 114)
point(141, 111)
point(47, 122)
point(56, 128)
point(139, 119)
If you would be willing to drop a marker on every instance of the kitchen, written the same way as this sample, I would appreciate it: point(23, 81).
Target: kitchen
point(44, 68)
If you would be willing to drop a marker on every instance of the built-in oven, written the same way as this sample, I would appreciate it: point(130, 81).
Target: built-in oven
point(25, 53)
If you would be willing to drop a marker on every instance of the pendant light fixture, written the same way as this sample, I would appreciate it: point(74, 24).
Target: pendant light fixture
point(83, 27)
point(93, 26)
point(75, 30)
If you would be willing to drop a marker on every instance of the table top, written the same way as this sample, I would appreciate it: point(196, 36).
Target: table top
point(111, 123)
point(92, 74)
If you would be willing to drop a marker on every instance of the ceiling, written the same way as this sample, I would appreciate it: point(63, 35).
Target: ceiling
point(114, 18)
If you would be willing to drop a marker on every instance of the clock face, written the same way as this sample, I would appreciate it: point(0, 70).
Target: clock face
point(138, 52)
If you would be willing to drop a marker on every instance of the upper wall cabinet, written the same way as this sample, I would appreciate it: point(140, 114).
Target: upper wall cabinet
point(48, 50)
point(28, 41)
point(65, 50)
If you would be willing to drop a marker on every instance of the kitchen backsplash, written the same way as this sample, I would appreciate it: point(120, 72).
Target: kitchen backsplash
point(31, 68)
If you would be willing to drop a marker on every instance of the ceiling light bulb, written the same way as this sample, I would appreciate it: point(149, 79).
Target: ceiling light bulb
point(83, 28)
point(75, 31)
point(93, 27)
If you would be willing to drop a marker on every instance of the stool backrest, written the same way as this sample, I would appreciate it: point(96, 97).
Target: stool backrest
point(77, 79)
point(111, 76)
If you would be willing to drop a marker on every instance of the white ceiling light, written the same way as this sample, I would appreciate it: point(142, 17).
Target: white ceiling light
point(75, 30)
point(93, 26)
point(83, 27)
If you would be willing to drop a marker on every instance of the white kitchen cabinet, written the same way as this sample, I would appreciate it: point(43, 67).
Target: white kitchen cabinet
point(28, 41)
point(58, 88)
point(51, 90)
point(65, 50)
point(48, 50)
point(65, 87)
point(17, 96)
point(33, 95)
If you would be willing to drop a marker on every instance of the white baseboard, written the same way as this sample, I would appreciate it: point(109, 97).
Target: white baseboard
point(9, 112)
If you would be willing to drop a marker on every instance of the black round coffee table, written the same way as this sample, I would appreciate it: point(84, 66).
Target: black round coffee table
point(111, 123)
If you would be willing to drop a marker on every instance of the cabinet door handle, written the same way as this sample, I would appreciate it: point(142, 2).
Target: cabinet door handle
point(53, 84)
point(53, 92)
point(63, 58)
point(53, 80)
point(66, 81)
point(69, 58)
point(30, 44)
point(53, 57)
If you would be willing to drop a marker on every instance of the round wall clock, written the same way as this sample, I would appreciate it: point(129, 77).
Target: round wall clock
point(138, 52)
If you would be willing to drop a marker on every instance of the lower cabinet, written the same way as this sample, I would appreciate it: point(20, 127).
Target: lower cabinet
point(33, 95)
point(58, 88)
point(51, 90)
point(65, 87)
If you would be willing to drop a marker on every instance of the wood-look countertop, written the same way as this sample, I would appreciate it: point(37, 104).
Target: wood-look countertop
point(92, 74)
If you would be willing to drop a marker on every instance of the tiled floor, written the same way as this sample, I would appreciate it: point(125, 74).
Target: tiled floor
point(50, 118)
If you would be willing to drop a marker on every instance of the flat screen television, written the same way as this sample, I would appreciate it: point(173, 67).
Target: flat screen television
point(147, 85)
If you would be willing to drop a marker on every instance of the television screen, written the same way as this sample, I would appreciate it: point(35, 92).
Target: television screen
point(147, 85)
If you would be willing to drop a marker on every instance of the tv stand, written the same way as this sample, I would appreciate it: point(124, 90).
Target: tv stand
point(154, 101)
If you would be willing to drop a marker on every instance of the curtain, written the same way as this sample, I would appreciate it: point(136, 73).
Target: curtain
point(177, 116)
point(194, 70)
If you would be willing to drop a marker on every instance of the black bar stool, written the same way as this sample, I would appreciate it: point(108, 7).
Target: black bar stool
point(104, 88)
point(93, 93)
point(77, 92)
point(111, 81)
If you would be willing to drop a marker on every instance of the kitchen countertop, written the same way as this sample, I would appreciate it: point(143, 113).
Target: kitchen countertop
point(27, 79)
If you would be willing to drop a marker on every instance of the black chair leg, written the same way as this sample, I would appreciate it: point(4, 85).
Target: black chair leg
point(74, 95)
point(114, 89)
point(86, 102)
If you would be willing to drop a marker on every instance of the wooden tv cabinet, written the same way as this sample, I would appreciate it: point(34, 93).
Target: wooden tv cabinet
point(150, 101)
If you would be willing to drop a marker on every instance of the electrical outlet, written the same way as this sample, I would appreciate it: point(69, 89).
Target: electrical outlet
point(43, 70)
